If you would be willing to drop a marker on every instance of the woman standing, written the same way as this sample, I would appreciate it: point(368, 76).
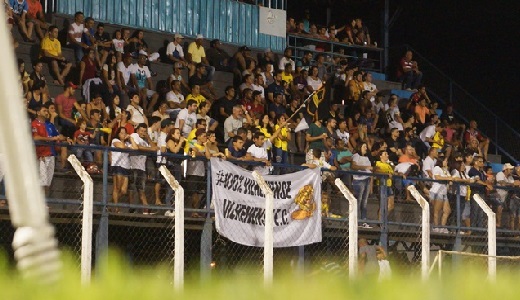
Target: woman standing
point(121, 164)
point(439, 195)
point(361, 183)
point(458, 173)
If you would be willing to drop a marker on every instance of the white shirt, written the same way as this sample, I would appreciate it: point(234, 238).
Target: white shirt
point(285, 61)
point(137, 114)
point(141, 74)
point(437, 187)
point(161, 142)
point(344, 136)
point(126, 71)
point(175, 98)
point(428, 164)
point(463, 189)
point(231, 125)
point(427, 133)
point(362, 161)
point(403, 167)
point(138, 162)
point(172, 47)
point(369, 86)
point(120, 159)
point(119, 45)
point(259, 88)
point(502, 177)
point(315, 84)
point(189, 121)
point(76, 30)
point(260, 152)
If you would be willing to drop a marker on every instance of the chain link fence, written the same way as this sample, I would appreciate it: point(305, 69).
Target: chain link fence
point(144, 231)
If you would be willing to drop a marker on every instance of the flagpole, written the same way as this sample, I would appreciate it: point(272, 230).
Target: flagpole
point(304, 103)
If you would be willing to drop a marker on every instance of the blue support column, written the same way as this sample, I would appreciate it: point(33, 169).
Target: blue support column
point(102, 232)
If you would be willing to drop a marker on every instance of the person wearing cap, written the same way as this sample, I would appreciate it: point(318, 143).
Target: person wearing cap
point(52, 55)
point(196, 55)
point(142, 79)
point(287, 59)
point(174, 50)
point(505, 179)
point(217, 57)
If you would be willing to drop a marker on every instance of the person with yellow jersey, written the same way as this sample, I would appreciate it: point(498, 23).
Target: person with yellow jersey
point(280, 147)
point(196, 95)
point(384, 166)
point(191, 139)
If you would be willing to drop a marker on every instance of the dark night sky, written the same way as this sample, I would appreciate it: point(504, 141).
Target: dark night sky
point(474, 42)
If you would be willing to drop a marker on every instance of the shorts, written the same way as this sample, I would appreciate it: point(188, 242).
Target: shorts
point(139, 180)
point(117, 170)
point(46, 170)
point(196, 184)
point(514, 205)
point(50, 60)
point(438, 196)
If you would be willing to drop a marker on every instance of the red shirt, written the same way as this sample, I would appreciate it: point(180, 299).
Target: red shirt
point(34, 8)
point(38, 129)
point(67, 103)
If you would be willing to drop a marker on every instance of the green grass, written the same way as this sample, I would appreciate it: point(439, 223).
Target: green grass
point(117, 280)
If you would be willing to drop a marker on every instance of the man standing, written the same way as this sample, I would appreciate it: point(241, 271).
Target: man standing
point(138, 164)
point(44, 153)
point(477, 173)
point(187, 118)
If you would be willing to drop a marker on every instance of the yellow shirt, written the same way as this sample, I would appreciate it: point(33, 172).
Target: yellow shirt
point(53, 47)
point(385, 168)
point(438, 140)
point(190, 140)
point(278, 143)
point(199, 98)
point(197, 53)
point(287, 78)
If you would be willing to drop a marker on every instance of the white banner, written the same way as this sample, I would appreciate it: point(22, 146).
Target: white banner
point(272, 21)
point(240, 206)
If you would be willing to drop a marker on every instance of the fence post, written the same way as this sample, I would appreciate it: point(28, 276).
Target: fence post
point(383, 208)
point(207, 232)
point(269, 225)
point(352, 228)
point(86, 227)
point(425, 226)
point(102, 232)
point(492, 237)
point(178, 261)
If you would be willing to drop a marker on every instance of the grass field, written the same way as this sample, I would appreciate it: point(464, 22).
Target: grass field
point(116, 280)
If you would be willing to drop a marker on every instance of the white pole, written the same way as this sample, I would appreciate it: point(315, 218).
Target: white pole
point(440, 263)
point(34, 244)
point(86, 227)
point(352, 229)
point(425, 231)
point(178, 263)
point(269, 225)
point(492, 237)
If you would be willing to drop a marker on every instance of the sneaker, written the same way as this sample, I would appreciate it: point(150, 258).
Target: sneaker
point(170, 213)
point(366, 226)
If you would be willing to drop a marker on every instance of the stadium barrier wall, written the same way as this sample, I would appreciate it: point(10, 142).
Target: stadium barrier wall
point(229, 21)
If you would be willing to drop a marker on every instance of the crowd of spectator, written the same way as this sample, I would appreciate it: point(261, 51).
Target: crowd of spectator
point(253, 121)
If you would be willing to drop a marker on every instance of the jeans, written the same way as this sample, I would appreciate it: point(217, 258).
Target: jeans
point(361, 189)
point(84, 154)
point(412, 80)
point(282, 157)
point(476, 213)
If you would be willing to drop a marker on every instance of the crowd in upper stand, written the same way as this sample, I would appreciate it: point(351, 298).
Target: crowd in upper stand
point(124, 104)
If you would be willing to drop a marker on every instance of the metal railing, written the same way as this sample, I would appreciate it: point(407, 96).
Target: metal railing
point(370, 58)
point(148, 239)
point(505, 139)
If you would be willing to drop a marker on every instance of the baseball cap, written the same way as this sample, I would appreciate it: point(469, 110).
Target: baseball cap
point(199, 36)
point(71, 84)
point(507, 166)
point(142, 52)
point(178, 36)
